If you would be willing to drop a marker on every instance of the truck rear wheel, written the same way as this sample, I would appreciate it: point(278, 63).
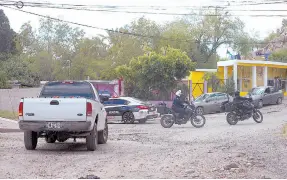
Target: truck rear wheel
point(103, 135)
point(92, 139)
point(30, 140)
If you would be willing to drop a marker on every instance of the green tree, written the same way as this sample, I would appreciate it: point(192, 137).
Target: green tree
point(124, 47)
point(91, 58)
point(7, 35)
point(26, 39)
point(279, 55)
point(200, 37)
point(211, 32)
point(155, 71)
point(16, 69)
point(244, 43)
point(3, 80)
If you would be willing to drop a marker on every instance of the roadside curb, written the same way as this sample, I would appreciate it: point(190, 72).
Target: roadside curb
point(8, 120)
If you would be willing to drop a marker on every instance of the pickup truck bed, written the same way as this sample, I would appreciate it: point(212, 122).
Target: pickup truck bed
point(64, 110)
point(57, 114)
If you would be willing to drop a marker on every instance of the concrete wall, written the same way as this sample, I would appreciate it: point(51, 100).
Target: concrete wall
point(9, 98)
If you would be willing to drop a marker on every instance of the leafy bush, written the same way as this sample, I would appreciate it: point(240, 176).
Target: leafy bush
point(217, 85)
point(4, 81)
point(228, 87)
point(280, 55)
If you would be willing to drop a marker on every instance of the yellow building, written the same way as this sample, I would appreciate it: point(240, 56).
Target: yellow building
point(247, 74)
point(199, 86)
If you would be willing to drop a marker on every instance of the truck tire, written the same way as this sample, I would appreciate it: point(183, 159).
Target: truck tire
point(103, 135)
point(30, 140)
point(92, 139)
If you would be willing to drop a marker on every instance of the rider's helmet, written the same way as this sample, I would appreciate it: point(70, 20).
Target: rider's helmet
point(178, 93)
point(237, 94)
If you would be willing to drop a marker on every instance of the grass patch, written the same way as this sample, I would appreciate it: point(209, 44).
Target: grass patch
point(8, 114)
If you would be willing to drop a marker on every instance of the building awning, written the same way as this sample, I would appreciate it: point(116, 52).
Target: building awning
point(252, 63)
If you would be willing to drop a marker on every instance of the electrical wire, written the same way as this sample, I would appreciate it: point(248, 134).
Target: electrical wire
point(162, 13)
point(157, 7)
point(40, 5)
point(131, 34)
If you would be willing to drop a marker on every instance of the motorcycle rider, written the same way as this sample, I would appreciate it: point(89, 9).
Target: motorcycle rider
point(239, 101)
point(177, 105)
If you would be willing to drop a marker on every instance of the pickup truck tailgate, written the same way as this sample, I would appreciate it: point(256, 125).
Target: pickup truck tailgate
point(54, 109)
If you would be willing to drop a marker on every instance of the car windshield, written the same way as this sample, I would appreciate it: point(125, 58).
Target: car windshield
point(257, 91)
point(69, 89)
point(201, 97)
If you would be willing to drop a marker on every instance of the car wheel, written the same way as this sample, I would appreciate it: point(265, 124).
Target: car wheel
point(103, 135)
point(128, 117)
point(92, 139)
point(260, 104)
point(199, 110)
point(279, 101)
point(30, 140)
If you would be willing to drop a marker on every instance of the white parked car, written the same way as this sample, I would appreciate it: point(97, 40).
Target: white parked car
point(129, 109)
point(64, 110)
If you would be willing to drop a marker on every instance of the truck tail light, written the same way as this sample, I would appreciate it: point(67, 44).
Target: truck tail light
point(89, 109)
point(142, 107)
point(20, 112)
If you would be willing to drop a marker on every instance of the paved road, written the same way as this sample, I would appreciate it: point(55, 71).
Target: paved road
point(150, 151)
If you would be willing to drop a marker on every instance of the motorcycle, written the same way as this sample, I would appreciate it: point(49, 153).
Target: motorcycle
point(236, 114)
point(198, 121)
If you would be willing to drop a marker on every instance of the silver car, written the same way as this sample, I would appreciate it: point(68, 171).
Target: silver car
point(211, 102)
point(264, 95)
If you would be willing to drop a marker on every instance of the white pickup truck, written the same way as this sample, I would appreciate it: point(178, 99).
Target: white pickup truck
point(69, 109)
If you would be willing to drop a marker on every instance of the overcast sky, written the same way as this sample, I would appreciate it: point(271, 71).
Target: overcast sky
point(263, 25)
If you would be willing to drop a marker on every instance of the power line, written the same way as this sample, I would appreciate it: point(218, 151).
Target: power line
point(174, 14)
point(40, 5)
point(128, 33)
point(145, 12)
point(157, 7)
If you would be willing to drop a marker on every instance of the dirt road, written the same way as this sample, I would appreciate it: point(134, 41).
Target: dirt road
point(247, 150)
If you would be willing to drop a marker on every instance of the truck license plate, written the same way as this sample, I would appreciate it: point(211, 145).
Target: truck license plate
point(53, 125)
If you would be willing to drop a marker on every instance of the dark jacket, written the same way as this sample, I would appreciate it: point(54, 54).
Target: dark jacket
point(177, 102)
point(240, 99)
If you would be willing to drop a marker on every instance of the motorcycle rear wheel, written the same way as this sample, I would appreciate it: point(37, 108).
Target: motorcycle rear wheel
point(198, 121)
point(167, 121)
point(231, 119)
point(257, 116)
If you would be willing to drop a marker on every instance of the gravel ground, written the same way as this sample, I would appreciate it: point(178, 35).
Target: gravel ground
point(247, 150)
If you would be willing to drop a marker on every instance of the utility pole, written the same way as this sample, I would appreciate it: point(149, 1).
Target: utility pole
point(69, 71)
